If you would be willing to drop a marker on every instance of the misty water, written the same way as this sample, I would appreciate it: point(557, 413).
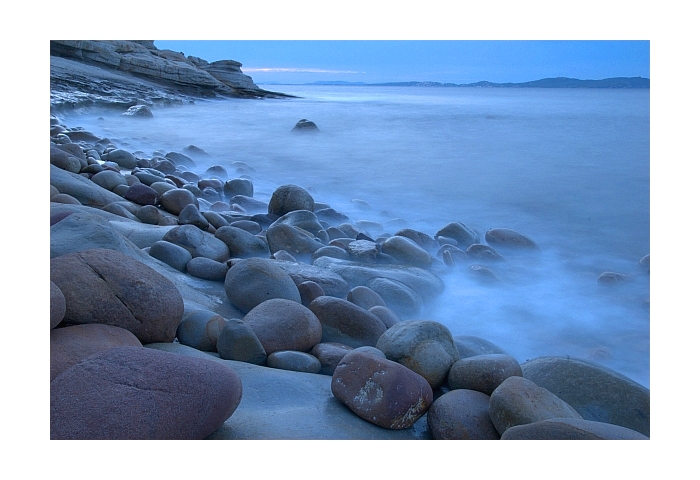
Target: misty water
point(568, 168)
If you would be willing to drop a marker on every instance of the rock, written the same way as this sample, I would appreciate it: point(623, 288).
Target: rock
point(180, 160)
point(407, 251)
point(397, 296)
point(249, 205)
point(109, 287)
point(463, 234)
point(365, 251)
point(483, 274)
point(309, 290)
point(130, 393)
point(85, 191)
point(483, 253)
point(331, 251)
point(282, 324)
point(304, 219)
point(518, 401)
point(139, 111)
point(190, 216)
point(174, 201)
point(207, 269)
point(294, 240)
point(386, 315)
point(242, 244)
point(288, 198)
point(331, 283)
point(171, 254)
point(483, 373)
point(269, 391)
point(380, 391)
point(122, 158)
point(461, 415)
point(470, 346)
point(237, 341)
point(252, 281)
point(141, 194)
point(64, 161)
point(295, 361)
point(346, 323)
point(58, 305)
point(596, 392)
point(424, 346)
point(200, 329)
point(509, 239)
point(612, 278)
point(329, 354)
point(215, 220)
point(216, 171)
point(570, 429)
point(331, 216)
point(197, 242)
point(426, 242)
point(247, 225)
point(365, 297)
point(65, 198)
point(305, 125)
point(108, 179)
point(644, 263)
point(71, 345)
point(283, 256)
point(238, 186)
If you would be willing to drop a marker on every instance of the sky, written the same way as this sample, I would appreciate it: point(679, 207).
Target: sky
point(446, 61)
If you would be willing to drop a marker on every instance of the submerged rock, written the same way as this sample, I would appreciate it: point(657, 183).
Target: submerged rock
point(305, 125)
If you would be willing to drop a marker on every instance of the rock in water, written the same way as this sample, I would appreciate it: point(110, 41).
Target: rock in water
point(130, 393)
point(141, 111)
point(305, 125)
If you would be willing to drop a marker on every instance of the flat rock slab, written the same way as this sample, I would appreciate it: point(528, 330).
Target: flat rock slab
point(286, 405)
point(571, 429)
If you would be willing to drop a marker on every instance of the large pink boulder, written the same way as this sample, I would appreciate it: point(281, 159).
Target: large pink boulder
point(111, 288)
point(131, 393)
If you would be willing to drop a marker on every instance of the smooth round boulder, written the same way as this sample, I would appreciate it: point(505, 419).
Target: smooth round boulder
point(329, 354)
point(241, 243)
point(305, 125)
point(407, 252)
point(483, 373)
point(304, 219)
point(380, 391)
point(482, 253)
point(571, 429)
point(173, 201)
point(396, 295)
point(65, 198)
point(108, 179)
point(138, 111)
point(288, 198)
point(470, 346)
point(171, 254)
point(309, 291)
point(461, 415)
point(200, 329)
point(505, 237)
point(424, 346)
point(251, 281)
point(198, 242)
point(365, 297)
point(71, 345)
point(596, 392)
point(282, 324)
point(207, 269)
point(58, 305)
point(109, 287)
point(425, 241)
point(518, 401)
point(292, 239)
point(294, 361)
point(190, 215)
point(137, 393)
point(122, 158)
point(64, 161)
point(238, 186)
point(462, 233)
point(346, 323)
point(141, 194)
point(237, 341)
point(386, 315)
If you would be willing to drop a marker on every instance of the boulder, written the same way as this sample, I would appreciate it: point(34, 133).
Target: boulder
point(71, 345)
point(282, 324)
point(130, 393)
point(141, 194)
point(197, 242)
point(190, 215)
point(122, 158)
point(207, 269)
point(596, 392)
point(58, 305)
point(108, 179)
point(84, 190)
point(200, 329)
point(483, 373)
point(171, 254)
point(241, 243)
point(462, 233)
point(251, 281)
point(138, 111)
point(288, 198)
point(483, 253)
point(305, 125)
point(518, 401)
point(425, 241)
point(238, 186)
point(507, 238)
point(570, 429)
point(294, 240)
point(380, 391)
point(237, 341)
point(346, 323)
point(329, 354)
point(365, 297)
point(109, 287)
point(331, 283)
point(424, 346)
point(469, 346)
point(175, 200)
point(461, 415)
point(293, 360)
point(407, 252)
point(386, 315)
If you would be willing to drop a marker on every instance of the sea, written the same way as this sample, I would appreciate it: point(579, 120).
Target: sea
point(569, 168)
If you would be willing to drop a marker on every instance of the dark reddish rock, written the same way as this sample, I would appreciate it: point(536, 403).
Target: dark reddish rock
point(200, 329)
point(329, 354)
point(130, 393)
point(237, 341)
point(288, 198)
point(424, 346)
point(505, 237)
point(71, 345)
point(58, 305)
point(461, 415)
point(571, 429)
point(251, 281)
point(380, 391)
point(518, 401)
point(309, 291)
point(294, 361)
point(483, 373)
point(365, 297)
point(596, 392)
point(282, 324)
point(109, 287)
point(346, 323)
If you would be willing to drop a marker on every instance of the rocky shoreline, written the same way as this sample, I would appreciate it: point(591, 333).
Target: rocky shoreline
point(184, 308)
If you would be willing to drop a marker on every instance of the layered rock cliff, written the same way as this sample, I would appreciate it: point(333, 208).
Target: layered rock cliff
point(125, 73)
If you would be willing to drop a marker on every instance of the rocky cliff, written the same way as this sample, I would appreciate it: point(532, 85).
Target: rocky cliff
point(125, 73)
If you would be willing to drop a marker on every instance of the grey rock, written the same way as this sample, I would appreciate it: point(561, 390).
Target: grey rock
point(207, 269)
point(407, 251)
point(461, 232)
point(346, 323)
point(171, 254)
point(483, 373)
point(461, 415)
point(197, 242)
point(305, 125)
point(200, 329)
point(295, 361)
point(174, 201)
point(140, 111)
point(288, 198)
point(190, 215)
point(292, 239)
point(365, 297)
point(238, 186)
point(507, 238)
point(282, 324)
point(331, 283)
point(237, 341)
point(251, 281)
point(85, 191)
point(108, 179)
point(58, 305)
point(570, 429)
point(122, 158)
point(242, 244)
point(469, 346)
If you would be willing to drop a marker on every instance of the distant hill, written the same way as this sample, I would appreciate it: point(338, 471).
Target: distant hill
point(558, 82)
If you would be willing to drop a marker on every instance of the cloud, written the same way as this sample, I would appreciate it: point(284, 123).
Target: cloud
point(294, 70)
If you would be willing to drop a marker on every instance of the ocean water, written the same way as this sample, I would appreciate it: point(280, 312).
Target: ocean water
point(568, 168)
